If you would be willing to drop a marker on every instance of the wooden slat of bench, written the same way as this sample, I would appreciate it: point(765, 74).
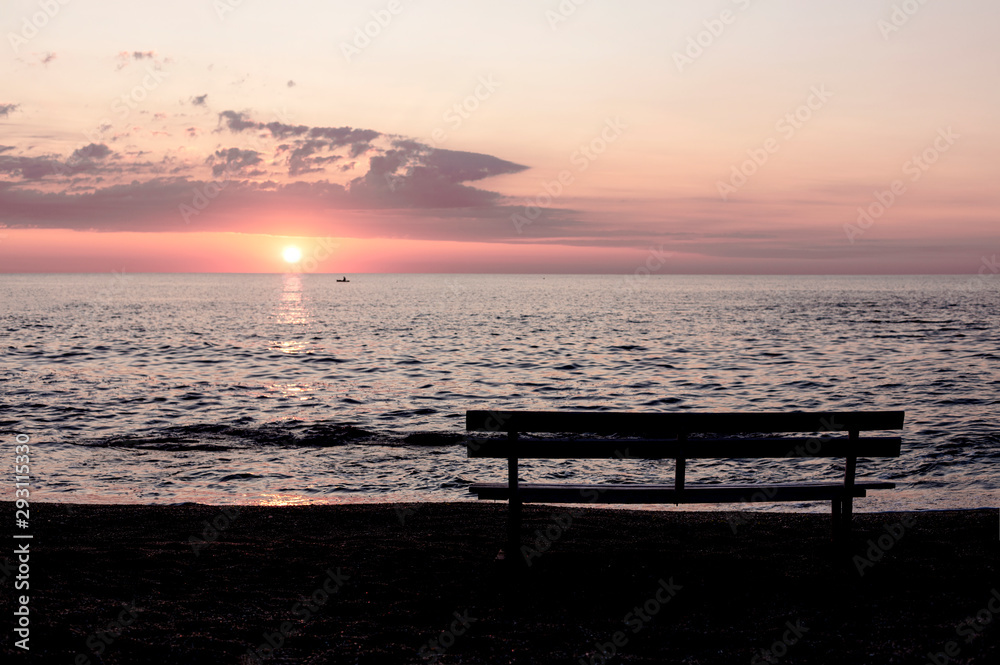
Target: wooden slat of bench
point(671, 423)
point(566, 493)
point(692, 448)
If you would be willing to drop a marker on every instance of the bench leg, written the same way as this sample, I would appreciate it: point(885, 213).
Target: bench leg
point(842, 510)
point(848, 513)
point(838, 518)
point(513, 551)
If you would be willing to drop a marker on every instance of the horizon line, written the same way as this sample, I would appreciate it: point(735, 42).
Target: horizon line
point(538, 274)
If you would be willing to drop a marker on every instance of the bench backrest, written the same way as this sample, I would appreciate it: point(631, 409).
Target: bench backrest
point(669, 435)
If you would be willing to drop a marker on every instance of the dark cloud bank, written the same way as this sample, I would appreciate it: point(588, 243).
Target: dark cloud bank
point(403, 175)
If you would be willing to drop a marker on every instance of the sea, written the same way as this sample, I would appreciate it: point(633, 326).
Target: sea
point(286, 389)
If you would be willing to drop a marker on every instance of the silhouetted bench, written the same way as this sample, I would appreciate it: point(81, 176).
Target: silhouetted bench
point(682, 437)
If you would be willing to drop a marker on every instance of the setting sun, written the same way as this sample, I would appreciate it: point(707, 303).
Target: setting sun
point(292, 254)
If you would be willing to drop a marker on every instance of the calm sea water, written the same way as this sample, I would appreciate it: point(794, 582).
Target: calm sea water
point(293, 388)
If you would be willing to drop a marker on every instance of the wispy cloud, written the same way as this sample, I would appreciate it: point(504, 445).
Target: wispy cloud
point(125, 58)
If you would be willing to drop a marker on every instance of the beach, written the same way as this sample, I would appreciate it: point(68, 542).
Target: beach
point(418, 583)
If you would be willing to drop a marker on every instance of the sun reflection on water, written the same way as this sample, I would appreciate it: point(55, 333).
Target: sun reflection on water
point(293, 390)
point(276, 499)
point(291, 308)
point(291, 346)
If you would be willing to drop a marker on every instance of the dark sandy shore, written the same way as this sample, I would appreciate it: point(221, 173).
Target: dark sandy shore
point(385, 580)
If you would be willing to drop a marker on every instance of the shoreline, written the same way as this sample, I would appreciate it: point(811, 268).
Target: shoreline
point(316, 475)
point(764, 507)
point(208, 584)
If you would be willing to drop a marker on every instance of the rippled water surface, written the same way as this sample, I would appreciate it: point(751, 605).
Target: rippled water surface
point(294, 388)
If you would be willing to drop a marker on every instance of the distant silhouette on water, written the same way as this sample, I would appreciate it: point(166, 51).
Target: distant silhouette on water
point(344, 279)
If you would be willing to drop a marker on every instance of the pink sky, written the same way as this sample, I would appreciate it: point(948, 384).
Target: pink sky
point(734, 137)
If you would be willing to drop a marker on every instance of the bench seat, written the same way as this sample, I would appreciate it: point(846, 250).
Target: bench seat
point(692, 493)
point(695, 448)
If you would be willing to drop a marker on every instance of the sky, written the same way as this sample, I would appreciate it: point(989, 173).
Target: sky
point(528, 136)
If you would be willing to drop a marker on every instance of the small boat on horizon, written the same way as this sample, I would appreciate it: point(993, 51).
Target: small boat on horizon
point(344, 279)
